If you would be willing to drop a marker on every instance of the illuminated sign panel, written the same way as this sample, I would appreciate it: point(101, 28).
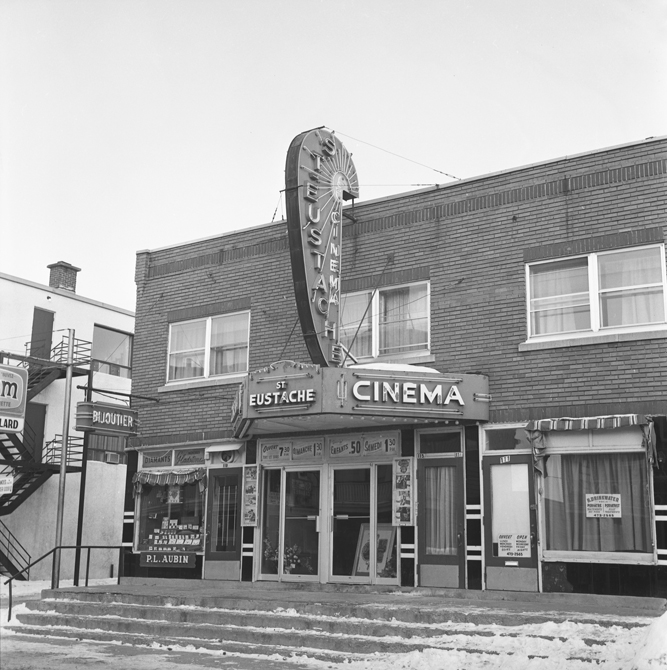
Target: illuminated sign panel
point(288, 389)
point(13, 398)
point(319, 177)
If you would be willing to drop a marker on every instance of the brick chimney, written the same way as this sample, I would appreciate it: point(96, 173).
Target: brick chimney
point(63, 275)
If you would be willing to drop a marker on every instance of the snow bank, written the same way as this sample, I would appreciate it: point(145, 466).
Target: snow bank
point(652, 647)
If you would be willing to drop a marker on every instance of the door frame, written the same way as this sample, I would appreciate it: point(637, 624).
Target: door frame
point(509, 562)
point(259, 544)
point(456, 459)
point(235, 555)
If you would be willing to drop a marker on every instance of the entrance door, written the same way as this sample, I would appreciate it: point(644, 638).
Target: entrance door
point(364, 543)
point(223, 525)
point(441, 511)
point(511, 524)
point(291, 525)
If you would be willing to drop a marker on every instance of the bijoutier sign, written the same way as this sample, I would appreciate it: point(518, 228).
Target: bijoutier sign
point(13, 398)
point(103, 418)
point(293, 389)
point(319, 177)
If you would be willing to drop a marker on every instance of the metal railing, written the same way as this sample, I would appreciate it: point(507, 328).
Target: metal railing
point(13, 549)
point(120, 548)
point(53, 451)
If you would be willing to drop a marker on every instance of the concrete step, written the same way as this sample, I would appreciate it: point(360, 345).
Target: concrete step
point(332, 629)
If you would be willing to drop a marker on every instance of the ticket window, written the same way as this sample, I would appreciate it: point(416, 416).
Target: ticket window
point(171, 518)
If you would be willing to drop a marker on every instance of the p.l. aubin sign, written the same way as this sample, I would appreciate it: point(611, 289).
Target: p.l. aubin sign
point(13, 398)
point(319, 177)
point(281, 391)
point(105, 419)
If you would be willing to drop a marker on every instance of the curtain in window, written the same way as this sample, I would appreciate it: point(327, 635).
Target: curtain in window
point(186, 355)
point(570, 477)
point(440, 511)
point(403, 319)
point(229, 344)
point(631, 288)
point(353, 310)
point(559, 299)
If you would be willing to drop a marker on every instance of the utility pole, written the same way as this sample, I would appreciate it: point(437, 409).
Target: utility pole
point(82, 486)
point(55, 576)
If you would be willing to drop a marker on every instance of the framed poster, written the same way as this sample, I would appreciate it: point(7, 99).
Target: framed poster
point(250, 495)
point(403, 492)
point(386, 540)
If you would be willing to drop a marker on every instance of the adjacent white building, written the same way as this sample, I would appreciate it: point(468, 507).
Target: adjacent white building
point(36, 321)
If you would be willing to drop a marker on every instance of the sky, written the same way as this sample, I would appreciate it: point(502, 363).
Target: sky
point(128, 125)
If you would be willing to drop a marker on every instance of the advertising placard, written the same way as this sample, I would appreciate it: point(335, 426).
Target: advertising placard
point(13, 398)
point(603, 505)
point(6, 484)
point(250, 497)
point(514, 545)
point(403, 492)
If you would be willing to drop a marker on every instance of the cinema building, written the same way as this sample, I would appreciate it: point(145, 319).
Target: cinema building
point(493, 419)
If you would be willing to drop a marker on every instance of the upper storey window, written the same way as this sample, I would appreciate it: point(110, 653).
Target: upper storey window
point(112, 352)
point(393, 322)
point(210, 347)
point(622, 289)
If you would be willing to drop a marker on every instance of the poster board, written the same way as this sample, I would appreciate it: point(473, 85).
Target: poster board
point(386, 539)
point(250, 496)
point(403, 492)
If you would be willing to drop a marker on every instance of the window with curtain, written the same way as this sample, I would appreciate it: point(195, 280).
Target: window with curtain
point(440, 515)
point(619, 289)
point(209, 347)
point(390, 322)
point(597, 502)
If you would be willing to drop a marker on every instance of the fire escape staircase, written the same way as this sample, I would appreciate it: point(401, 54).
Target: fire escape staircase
point(17, 451)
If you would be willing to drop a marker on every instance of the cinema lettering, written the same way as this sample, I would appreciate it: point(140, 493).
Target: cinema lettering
point(407, 392)
point(277, 398)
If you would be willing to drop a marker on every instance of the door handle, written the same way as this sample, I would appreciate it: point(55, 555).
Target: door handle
point(459, 539)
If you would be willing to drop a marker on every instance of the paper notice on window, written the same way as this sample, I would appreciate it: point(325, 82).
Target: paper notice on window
point(516, 545)
point(603, 505)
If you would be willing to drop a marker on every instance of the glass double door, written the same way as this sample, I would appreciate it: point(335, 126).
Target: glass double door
point(290, 525)
point(343, 533)
point(363, 542)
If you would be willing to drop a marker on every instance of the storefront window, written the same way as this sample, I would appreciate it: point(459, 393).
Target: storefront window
point(171, 518)
point(597, 502)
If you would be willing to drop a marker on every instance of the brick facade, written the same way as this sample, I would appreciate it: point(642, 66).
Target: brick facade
point(471, 239)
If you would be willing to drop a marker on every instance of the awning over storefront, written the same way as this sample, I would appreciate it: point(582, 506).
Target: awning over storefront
point(536, 430)
point(169, 477)
point(294, 397)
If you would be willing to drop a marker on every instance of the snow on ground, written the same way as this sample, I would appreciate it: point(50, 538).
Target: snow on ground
point(548, 646)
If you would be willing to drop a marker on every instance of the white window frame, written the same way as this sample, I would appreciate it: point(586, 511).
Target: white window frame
point(374, 310)
point(596, 330)
point(560, 555)
point(207, 350)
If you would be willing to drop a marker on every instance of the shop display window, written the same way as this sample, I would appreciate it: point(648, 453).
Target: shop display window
point(171, 518)
point(597, 502)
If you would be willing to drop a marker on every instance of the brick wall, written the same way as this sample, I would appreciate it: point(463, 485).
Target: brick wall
point(471, 239)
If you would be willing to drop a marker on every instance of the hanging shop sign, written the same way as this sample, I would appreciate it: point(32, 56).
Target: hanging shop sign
point(319, 177)
point(289, 389)
point(13, 398)
point(105, 419)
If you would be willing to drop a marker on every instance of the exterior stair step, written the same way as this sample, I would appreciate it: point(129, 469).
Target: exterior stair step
point(310, 624)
